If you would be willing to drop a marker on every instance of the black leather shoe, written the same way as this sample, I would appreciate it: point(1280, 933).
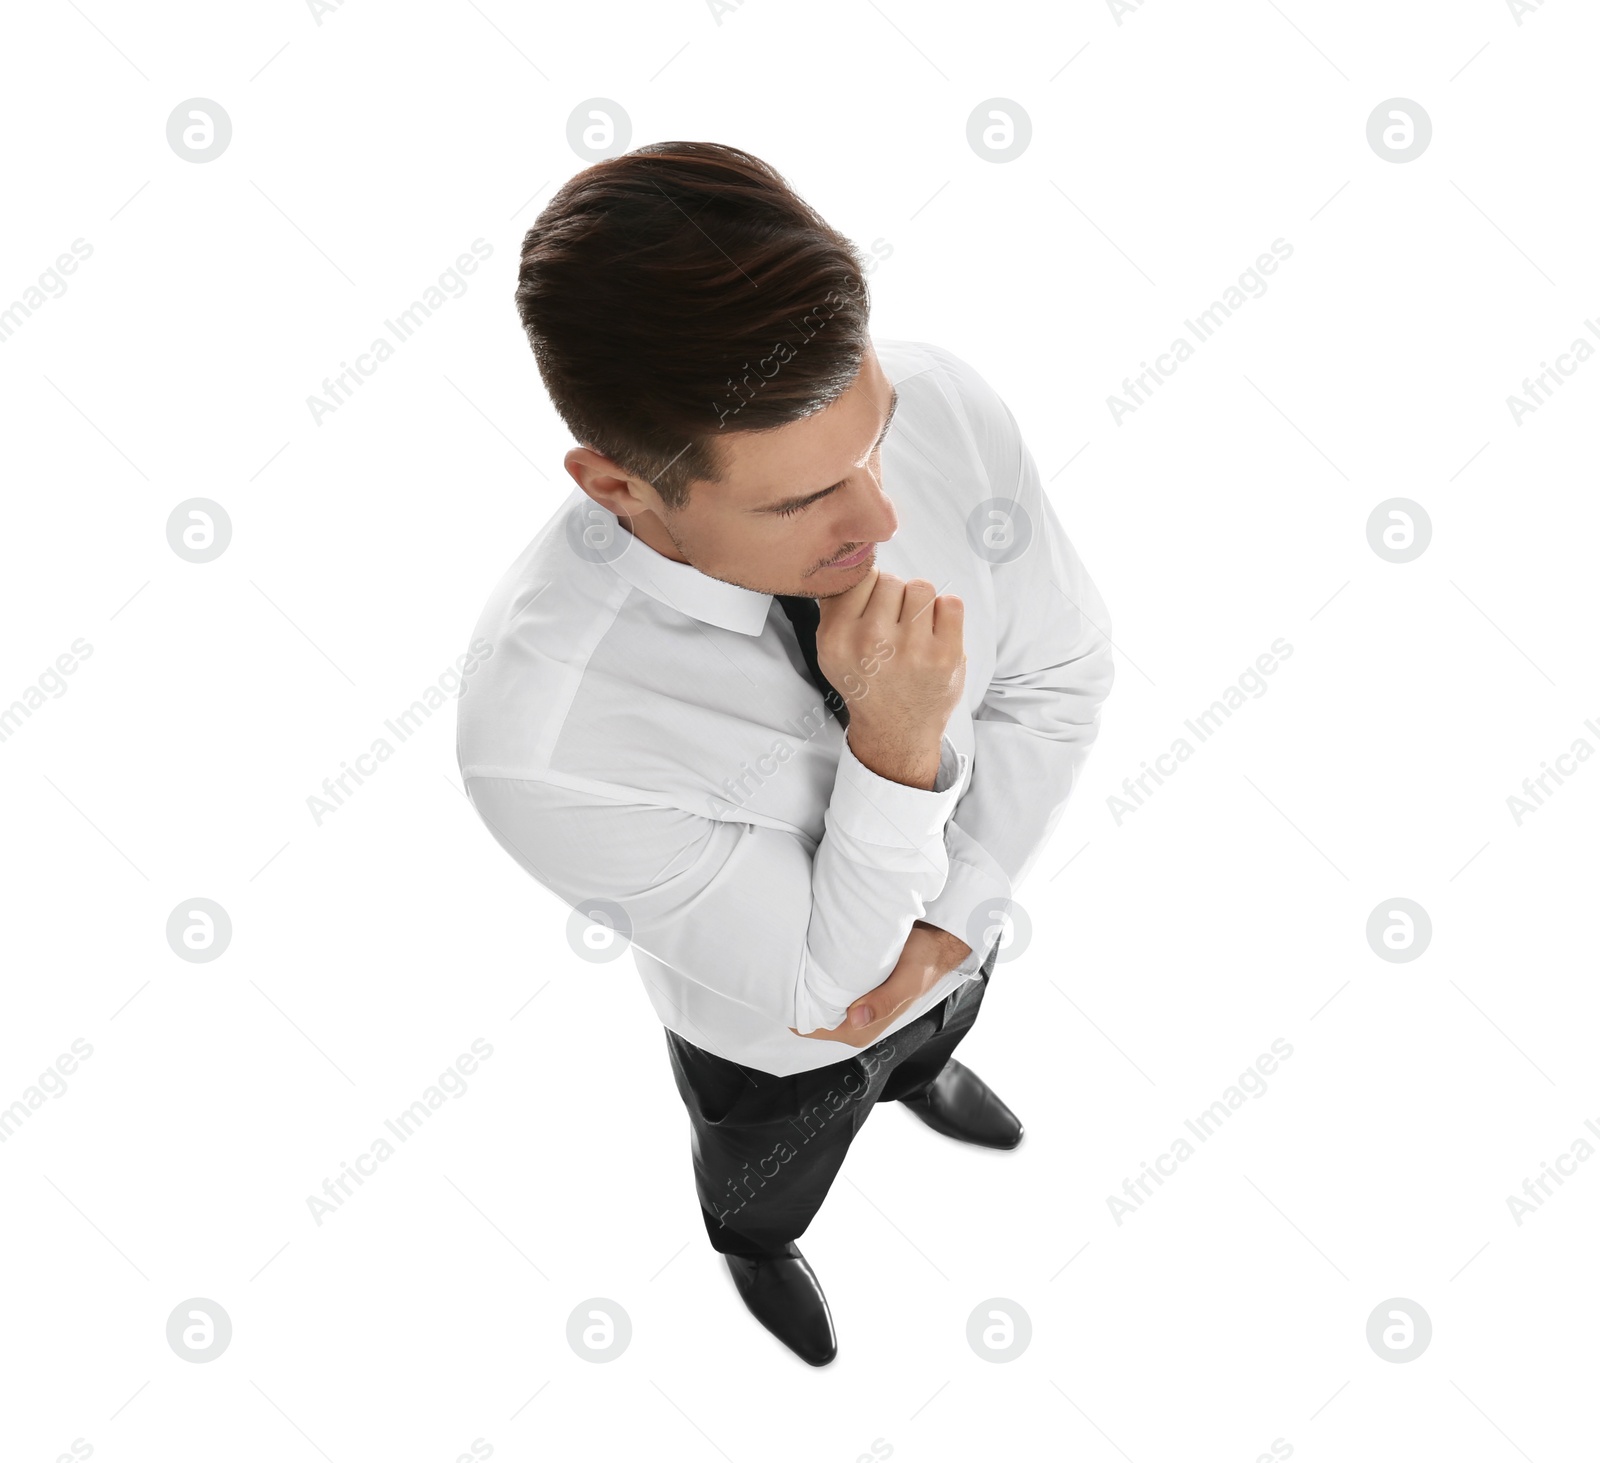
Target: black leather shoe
point(783, 1293)
point(959, 1104)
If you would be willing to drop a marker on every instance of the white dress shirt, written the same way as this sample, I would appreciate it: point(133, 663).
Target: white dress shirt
point(645, 739)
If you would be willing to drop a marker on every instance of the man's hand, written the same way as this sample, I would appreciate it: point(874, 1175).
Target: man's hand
point(919, 661)
point(929, 955)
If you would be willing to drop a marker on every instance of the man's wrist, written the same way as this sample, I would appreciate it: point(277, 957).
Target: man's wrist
point(913, 764)
point(946, 950)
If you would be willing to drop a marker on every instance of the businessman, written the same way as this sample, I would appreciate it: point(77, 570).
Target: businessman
point(791, 690)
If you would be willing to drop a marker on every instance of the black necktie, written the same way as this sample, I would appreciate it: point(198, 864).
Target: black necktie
point(804, 616)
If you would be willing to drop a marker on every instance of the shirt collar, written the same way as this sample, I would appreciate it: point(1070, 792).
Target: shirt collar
point(685, 589)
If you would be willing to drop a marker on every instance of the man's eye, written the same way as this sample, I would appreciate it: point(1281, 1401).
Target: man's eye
point(790, 512)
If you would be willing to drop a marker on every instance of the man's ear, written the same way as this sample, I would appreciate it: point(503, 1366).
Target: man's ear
point(607, 483)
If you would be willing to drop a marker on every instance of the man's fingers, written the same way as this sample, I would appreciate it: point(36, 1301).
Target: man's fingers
point(919, 594)
point(867, 1015)
point(882, 609)
point(883, 1001)
point(949, 616)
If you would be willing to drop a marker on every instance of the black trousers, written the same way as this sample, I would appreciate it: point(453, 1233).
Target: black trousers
point(766, 1148)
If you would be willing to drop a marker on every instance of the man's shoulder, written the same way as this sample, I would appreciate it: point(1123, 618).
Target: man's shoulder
point(945, 372)
point(543, 618)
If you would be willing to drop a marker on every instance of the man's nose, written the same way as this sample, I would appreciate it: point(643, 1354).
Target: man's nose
point(877, 521)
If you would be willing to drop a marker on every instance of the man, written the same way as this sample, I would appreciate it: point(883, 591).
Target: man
point(789, 693)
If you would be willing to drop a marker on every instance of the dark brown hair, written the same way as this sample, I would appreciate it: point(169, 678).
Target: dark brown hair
point(683, 291)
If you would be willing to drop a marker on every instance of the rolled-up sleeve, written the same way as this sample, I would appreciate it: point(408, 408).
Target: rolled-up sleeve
point(751, 912)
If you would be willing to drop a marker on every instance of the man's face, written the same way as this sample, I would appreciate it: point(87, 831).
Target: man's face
point(800, 508)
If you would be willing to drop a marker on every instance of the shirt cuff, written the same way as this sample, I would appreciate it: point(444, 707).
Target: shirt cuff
point(874, 810)
point(823, 1007)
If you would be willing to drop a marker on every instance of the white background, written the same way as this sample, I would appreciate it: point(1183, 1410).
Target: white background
point(367, 953)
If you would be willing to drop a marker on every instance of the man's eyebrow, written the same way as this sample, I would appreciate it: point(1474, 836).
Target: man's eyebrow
point(795, 502)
